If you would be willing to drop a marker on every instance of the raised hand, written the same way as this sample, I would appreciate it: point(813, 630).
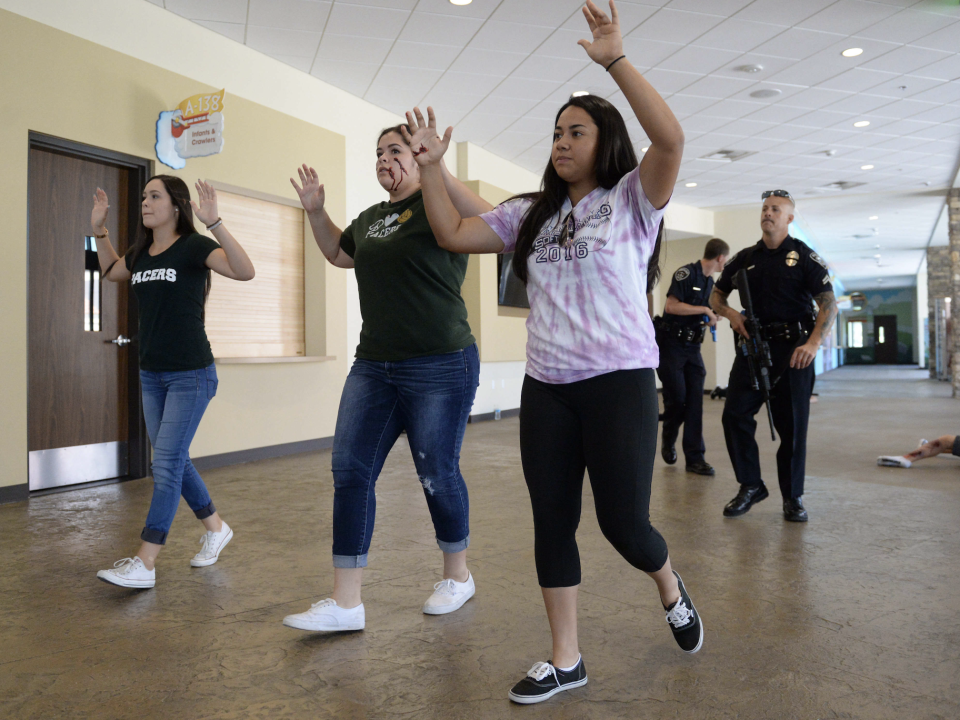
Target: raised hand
point(98, 218)
point(428, 147)
point(312, 195)
point(607, 43)
point(206, 210)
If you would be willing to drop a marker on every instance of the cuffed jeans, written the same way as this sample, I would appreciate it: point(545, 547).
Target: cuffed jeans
point(430, 397)
point(173, 404)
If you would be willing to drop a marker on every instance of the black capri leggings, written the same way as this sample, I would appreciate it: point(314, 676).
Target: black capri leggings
point(608, 425)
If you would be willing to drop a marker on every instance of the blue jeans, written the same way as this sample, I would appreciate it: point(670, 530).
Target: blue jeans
point(173, 403)
point(429, 397)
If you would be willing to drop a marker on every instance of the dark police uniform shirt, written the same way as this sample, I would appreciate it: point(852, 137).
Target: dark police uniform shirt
point(783, 282)
point(692, 287)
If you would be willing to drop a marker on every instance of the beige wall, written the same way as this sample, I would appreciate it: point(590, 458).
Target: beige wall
point(501, 332)
point(60, 85)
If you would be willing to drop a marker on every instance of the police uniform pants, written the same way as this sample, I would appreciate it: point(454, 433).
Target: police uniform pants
point(682, 375)
point(790, 405)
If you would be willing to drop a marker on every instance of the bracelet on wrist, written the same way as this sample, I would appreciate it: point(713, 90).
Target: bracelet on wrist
point(615, 62)
point(106, 233)
point(215, 225)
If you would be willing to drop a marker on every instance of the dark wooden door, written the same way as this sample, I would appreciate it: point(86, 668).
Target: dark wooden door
point(81, 398)
point(885, 339)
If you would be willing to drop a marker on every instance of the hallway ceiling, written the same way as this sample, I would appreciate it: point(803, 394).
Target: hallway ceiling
point(499, 69)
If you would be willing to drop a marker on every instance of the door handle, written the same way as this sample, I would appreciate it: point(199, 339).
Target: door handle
point(120, 340)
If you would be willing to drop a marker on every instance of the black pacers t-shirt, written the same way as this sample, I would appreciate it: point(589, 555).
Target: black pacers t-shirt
point(169, 289)
point(409, 286)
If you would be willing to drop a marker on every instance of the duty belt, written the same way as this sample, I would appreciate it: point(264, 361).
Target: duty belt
point(786, 331)
point(677, 331)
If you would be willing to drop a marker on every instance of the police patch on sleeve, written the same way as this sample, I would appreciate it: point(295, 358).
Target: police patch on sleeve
point(682, 274)
point(819, 260)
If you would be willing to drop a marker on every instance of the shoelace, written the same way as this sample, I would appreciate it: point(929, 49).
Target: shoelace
point(206, 542)
point(680, 615)
point(445, 587)
point(541, 669)
point(125, 565)
point(323, 603)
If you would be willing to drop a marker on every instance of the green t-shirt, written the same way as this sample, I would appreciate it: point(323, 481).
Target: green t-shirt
point(409, 286)
point(169, 289)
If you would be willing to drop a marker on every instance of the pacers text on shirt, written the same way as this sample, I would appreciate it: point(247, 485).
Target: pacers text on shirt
point(168, 274)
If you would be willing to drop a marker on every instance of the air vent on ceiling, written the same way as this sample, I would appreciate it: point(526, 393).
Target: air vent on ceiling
point(727, 155)
point(834, 187)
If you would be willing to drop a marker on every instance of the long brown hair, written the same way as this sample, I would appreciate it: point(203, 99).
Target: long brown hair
point(615, 158)
point(180, 197)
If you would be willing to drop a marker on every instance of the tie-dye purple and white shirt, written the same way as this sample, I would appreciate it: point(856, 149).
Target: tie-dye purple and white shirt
point(588, 302)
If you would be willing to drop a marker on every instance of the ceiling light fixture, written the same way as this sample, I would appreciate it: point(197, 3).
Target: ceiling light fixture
point(866, 167)
point(766, 93)
point(644, 149)
point(579, 93)
point(460, 2)
point(873, 217)
point(861, 123)
point(752, 68)
point(691, 185)
point(849, 52)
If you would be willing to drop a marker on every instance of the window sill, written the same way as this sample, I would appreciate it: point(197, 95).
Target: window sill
point(274, 360)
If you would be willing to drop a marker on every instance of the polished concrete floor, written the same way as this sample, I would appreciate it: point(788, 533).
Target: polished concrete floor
point(854, 615)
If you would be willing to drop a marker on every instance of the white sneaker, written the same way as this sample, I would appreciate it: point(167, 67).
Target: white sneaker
point(210, 546)
point(449, 595)
point(129, 572)
point(327, 615)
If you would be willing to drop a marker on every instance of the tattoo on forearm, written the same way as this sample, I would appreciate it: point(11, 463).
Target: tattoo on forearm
point(718, 301)
point(827, 302)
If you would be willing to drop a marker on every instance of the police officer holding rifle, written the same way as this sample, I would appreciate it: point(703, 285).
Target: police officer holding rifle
point(680, 332)
point(784, 277)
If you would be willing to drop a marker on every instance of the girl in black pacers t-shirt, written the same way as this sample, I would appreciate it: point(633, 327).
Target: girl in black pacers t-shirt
point(169, 269)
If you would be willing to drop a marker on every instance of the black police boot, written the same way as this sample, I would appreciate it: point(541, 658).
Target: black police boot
point(701, 467)
point(668, 453)
point(748, 496)
point(794, 511)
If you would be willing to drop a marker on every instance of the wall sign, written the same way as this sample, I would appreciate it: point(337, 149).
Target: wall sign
point(194, 129)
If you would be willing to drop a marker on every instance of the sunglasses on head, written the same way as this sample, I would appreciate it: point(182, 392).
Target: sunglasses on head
point(776, 193)
point(568, 230)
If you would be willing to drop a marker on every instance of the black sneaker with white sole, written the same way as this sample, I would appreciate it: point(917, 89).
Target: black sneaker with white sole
point(544, 681)
point(684, 620)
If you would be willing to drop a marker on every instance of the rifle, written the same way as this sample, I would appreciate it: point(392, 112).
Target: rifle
point(755, 349)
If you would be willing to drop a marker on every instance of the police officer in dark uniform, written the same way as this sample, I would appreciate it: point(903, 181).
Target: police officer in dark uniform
point(785, 278)
point(679, 334)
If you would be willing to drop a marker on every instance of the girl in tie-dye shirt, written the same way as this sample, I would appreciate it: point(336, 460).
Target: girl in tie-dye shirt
point(586, 246)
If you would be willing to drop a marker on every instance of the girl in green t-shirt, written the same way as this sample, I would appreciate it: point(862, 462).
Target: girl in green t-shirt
point(416, 370)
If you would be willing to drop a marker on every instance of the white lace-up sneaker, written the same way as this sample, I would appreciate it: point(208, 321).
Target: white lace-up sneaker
point(210, 546)
point(129, 572)
point(327, 615)
point(449, 595)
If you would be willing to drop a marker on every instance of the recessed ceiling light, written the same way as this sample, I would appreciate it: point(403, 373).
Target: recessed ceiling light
point(575, 93)
point(644, 149)
point(873, 217)
point(691, 185)
point(752, 68)
point(766, 93)
point(861, 123)
point(460, 2)
point(849, 52)
point(866, 167)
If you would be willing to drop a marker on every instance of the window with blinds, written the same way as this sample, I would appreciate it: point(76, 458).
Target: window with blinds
point(262, 317)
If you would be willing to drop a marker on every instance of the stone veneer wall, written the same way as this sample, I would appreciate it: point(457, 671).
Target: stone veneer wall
point(938, 286)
